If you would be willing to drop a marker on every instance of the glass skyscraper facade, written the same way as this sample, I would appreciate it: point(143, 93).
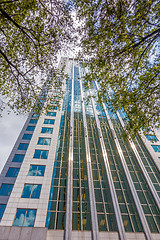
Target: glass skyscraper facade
point(71, 175)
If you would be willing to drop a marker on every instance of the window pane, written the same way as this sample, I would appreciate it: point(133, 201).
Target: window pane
point(156, 148)
point(40, 171)
point(27, 191)
point(33, 121)
point(12, 172)
point(25, 217)
point(49, 121)
point(36, 170)
point(37, 154)
point(42, 154)
point(23, 146)
point(30, 128)
point(19, 218)
point(152, 138)
point(6, 189)
point(18, 158)
point(30, 218)
point(47, 130)
point(36, 189)
point(53, 114)
point(27, 136)
point(44, 141)
point(2, 209)
point(32, 170)
point(35, 115)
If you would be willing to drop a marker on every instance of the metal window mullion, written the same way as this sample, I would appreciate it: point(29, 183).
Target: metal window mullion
point(100, 179)
point(141, 164)
point(79, 164)
point(120, 225)
point(128, 176)
point(147, 160)
point(94, 220)
point(68, 223)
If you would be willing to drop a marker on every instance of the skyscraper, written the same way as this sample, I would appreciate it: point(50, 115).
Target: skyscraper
point(71, 175)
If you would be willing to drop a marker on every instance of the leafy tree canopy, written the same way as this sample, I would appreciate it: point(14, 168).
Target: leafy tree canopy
point(120, 40)
point(33, 32)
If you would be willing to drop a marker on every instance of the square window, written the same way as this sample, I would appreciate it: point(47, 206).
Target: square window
point(156, 148)
point(30, 128)
point(35, 115)
point(31, 191)
point(44, 141)
point(33, 121)
point(36, 170)
point(151, 138)
point(6, 189)
point(2, 209)
point(52, 114)
point(25, 217)
point(47, 130)
point(42, 154)
point(27, 136)
point(23, 146)
point(52, 108)
point(49, 121)
point(12, 172)
point(18, 158)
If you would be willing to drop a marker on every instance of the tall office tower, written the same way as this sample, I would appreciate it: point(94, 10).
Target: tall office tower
point(71, 175)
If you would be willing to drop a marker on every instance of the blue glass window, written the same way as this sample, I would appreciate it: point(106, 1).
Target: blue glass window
point(42, 154)
point(23, 146)
point(49, 121)
point(31, 191)
point(52, 114)
point(47, 130)
point(30, 128)
point(44, 141)
point(152, 138)
point(35, 115)
point(12, 172)
point(25, 217)
point(52, 108)
point(36, 170)
point(18, 158)
point(6, 189)
point(156, 148)
point(27, 136)
point(2, 209)
point(33, 121)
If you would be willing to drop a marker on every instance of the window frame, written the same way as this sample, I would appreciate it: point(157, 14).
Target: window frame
point(47, 132)
point(49, 121)
point(27, 210)
point(41, 153)
point(32, 191)
point(24, 148)
point(19, 158)
point(8, 191)
point(37, 166)
point(15, 172)
point(43, 141)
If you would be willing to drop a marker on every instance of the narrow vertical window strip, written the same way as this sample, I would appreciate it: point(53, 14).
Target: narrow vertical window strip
point(94, 220)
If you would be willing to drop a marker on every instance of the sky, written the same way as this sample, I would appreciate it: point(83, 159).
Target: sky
point(10, 128)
